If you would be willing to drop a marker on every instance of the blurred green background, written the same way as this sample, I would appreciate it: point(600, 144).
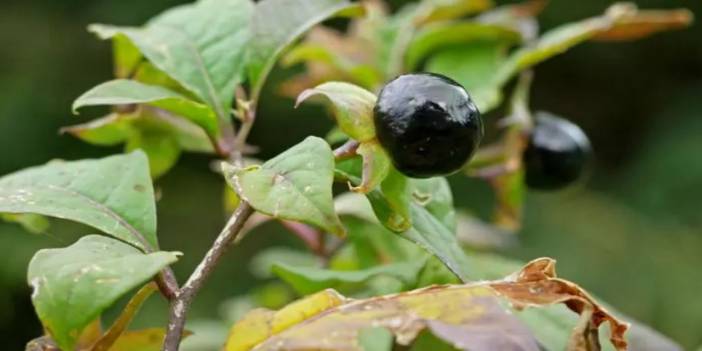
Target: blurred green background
point(632, 234)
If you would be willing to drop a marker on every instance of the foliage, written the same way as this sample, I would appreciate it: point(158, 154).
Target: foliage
point(190, 81)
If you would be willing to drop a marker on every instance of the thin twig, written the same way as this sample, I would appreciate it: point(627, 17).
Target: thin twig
point(347, 150)
point(180, 305)
point(184, 297)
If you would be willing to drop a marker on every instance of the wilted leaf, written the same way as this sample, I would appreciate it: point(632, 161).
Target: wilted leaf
point(73, 285)
point(116, 331)
point(275, 24)
point(307, 280)
point(622, 21)
point(352, 106)
point(259, 324)
point(142, 340)
point(553, 325)
point(294, 185)
point(200, 45)
point(123, 91)
point(469, 317)
point(113, 194)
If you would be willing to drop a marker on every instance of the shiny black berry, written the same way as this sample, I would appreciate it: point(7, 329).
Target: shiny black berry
point(428, 124)
point(557, 154)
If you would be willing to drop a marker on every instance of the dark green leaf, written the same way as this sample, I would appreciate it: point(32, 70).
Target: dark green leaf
point(475, 67)
point(392, 201)
point(73, 285)
point(113, 194)
point(277, 23)
point(432, 39)
point(295, 185)
point(200, 45)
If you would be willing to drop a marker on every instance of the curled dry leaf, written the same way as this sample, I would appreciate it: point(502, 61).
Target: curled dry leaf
point(470, 316)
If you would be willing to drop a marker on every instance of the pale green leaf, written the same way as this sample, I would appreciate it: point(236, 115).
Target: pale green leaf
point(295, 185)
point(33, 223)
point(124, 91)
point(375, 339)
point(376, 166)
point(73, 285)
point(278, 23)
point(352, 106)
point(126, 57)
point(113, 194)
point(307, 280)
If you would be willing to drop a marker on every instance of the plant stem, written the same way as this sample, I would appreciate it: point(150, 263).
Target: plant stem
point(184, 297)
point(347, 150)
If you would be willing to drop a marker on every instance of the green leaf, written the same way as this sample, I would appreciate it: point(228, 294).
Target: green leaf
point(125, 55)
point(307, 280)
point(432, 235)
point(160, 147)
point(449, 9)
point(277, 23)
point(435, 195)
point(31, 222)
point(123, 91)
point(113, 194)
point(375, 339)
point(392, 201)
point(110, 130)
point(201, 45)
point(433, 38)
point(295, 185)
point(73, 285)
point(474, 66)
point(262, 264)
point(353, 107)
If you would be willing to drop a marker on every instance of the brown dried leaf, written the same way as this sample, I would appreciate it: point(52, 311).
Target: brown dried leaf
point(469, 316)
point(640, 24)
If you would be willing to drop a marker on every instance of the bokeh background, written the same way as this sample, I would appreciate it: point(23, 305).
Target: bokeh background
point(632, 234)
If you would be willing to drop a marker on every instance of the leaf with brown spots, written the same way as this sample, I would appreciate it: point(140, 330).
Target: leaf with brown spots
point(473, 316)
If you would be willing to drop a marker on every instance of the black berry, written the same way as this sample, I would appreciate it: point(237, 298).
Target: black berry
point(557, 154)
point(428, 124)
